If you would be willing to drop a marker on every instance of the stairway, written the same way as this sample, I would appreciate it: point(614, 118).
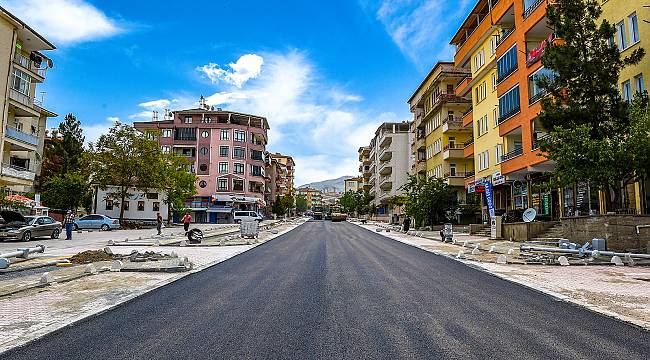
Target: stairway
point(485, 232)
point(552, 234)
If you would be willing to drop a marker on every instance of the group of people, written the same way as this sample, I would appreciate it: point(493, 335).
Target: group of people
point(69, 219)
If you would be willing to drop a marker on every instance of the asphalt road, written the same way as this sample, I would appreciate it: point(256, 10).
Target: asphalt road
point(336, 291)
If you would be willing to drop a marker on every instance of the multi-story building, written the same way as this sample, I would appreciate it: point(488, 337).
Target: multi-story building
point(632, 31)
point(438, 132)
point(280, 174)
point(388, 155)
point(364, 167)
point(353, 184)
point(23, 116)
point(313, 196)
point(226, 151)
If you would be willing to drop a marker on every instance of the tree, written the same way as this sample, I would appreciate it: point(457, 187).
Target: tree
point(67, 191)
point(282, 205)
point(430, 201)
point(126, 159)
point(179, 183)
point(301, 203)
point(351, 201)
point(64, 154)
point(588, 122)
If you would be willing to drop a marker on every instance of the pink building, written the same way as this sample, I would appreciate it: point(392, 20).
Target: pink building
point(226, 150)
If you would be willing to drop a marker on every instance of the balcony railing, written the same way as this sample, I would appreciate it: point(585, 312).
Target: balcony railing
point(529, 10)
point(513, 154)
point(456, 174)
point(536, 142)
point(453, 147)
point(21, 136)
point(453, 121)
point(468, 142)
point(469, 174)
point(533, 99)
point(24, 61)
point(22, 98)
point(504, 35)
point(18, 172)
point(508, 115)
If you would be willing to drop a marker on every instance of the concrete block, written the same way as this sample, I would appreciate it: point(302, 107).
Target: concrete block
point(108, 250)
point(90, 269)
point(617, 261)
point(563, 261)
point(461, 254)
point(274, 231)
point(465, 243)
point(116, 266)
point(46, 279)
point(476, 251)
point(183, 243)
point(629, 260)
point(492, 249)
point(511, 251)
point(502, 259)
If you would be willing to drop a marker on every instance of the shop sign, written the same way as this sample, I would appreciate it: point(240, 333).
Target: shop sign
point(498, 179)
point(488, 197)
point(471, 187)
point(537, 52)
point(480, 188)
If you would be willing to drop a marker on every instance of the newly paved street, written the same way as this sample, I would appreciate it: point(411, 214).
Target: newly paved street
point(333, 290)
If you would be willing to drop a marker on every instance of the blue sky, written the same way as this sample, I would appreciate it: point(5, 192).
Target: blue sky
point(325, 74)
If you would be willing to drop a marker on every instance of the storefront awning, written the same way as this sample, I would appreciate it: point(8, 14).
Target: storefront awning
point(235, 198)
point(221, 209)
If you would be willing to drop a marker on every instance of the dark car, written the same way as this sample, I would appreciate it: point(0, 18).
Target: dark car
point(14, 226)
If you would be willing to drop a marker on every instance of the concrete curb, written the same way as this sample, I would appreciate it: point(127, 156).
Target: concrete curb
point(558, 296)
point(53, 329)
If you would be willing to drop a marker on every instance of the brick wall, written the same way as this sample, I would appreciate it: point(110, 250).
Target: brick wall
point(618, 230)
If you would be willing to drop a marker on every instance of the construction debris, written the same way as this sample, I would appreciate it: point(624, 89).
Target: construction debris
point(91, 256)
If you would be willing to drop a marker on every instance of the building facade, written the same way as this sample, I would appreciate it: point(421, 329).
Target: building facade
point(23, 115)
point(138, 207)
point(226, 151)
point(438, 131)
point(280, 174)
point(354, 184)
point(313, 197)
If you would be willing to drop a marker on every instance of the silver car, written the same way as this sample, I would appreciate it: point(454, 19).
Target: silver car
point(14, 226)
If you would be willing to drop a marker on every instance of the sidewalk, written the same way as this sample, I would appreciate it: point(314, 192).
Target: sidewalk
point(622, 292)
point(30, 314)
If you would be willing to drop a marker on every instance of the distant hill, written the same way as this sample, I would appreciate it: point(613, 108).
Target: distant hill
point(338, 184)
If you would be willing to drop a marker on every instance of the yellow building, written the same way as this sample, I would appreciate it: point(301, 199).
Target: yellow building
point(365, 163)
point(313, 196)
point(632, 32)
point(439, 133)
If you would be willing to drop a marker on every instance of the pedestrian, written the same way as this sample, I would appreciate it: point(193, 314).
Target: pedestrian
point(68, 222)
point(159, 223)
point(187, 219)
point(407, 224)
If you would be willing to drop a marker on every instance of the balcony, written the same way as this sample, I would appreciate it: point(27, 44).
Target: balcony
point(385, 169)
point(452, 124)
point(24, 61)
point(470, 174)
point(506, 73)
point(24, 137)
point(455, 151)
point(536, 142)
point(508, 115)
point(24, 100)
point(505, 33)
point(386, 155)
point(18, 172)
point(529, 10)
point(512, 154)
point(386, 141)
point(455, 178)
point(386, 183)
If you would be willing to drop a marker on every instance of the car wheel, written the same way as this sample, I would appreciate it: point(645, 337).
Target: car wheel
point(75, 227)
point(56, 233)
point(237, 221)
point(105, 227)
point(27, 235)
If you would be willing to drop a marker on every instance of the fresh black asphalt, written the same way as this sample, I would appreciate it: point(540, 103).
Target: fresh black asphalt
point(336, 291)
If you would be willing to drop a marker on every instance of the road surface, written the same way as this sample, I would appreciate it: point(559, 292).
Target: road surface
point(336, 291)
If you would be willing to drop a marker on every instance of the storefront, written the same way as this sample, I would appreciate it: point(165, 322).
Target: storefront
point(219, 208)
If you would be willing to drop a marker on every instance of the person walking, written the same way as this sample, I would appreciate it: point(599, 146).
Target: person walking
point(159, 223)
point(68, 222)
point(406, 224)
point(187, 219)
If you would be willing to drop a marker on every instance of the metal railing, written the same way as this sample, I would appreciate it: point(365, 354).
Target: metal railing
point(537, 141)
point(453, 147)
point(529, 10)
point(537, 96)
point(457, 174)
point(21, 136)
point(469, 174)
point(468, 142)
point(25, 62)
point(512, 154)
point(18, 172)
point(504, 35)
point(508, 115)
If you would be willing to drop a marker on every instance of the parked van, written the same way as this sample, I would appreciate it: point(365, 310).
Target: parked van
point(240, 216)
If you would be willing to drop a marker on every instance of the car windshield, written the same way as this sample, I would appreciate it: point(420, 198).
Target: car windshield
point(30, 219)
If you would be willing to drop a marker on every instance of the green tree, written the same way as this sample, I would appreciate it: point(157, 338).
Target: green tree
point(67, 191)
point(64, 154)
point(351, 201)
point(587, 120)
point(301, 203)
point(429, 201)
point(178, 181)
point(126, 159)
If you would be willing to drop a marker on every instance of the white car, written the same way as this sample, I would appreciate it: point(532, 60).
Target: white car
point(240, 216)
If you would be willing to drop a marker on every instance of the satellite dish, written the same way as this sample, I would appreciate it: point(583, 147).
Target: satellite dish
point(529, 215)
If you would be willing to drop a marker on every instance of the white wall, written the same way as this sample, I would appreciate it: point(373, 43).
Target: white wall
point(132, 213)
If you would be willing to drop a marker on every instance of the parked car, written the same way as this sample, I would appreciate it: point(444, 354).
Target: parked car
point(240, 216)
point(14, 226)
point(96, 221)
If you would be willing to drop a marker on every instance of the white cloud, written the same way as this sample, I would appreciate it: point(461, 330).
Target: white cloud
point(155, 104)
point(113, 119)
point(247, 67)
point(158, 105)
point(65, 21)
point(420, 28)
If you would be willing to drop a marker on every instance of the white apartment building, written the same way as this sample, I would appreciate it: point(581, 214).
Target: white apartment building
point(140, 206)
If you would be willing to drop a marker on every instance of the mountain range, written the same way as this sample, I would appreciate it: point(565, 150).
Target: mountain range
point(338, 184)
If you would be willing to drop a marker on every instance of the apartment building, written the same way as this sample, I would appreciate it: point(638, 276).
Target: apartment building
point(630, 19)
point(22, 134)
point(387, 159)
point(226, 151)
point(354, 184)
point(280, 174)
point(439, 136)
point(364, 167)
point(313, 196)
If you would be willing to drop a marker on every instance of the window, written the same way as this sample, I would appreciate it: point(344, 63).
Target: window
point(429, 151)
point(638, 84)
point(203, 167)
point(152, 196)
point(494, 81)
point(167, 133)
point(206, 120)
point(156, 206)
point(188, 119)
point(21, 82)
point(204, 151)
point(498, 153)
point(484, 160)
point(479, 59)
point(140, 205)
point(256, 171)
point(507, 64)
point(634, 28)
point(535, 91)
point(205, 133)
point(257, 155)
point(109, 204)
point(452, 169)
point(240, 136)
point(238, 168)
point(222, 184)
point(203, 184)
point(223, 168)
point(620, 35)
point(125, 205)
point(239, 153)
point(224, 134)
point(509, 104)
point(223, 151)
point(482, 125)
point(237, 185)
point(165, 149)
point(627, 91)
point(185, 134)
point(494, 40)
point(495, 117)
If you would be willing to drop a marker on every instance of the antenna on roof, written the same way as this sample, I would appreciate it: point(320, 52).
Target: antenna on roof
point(154, 117)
